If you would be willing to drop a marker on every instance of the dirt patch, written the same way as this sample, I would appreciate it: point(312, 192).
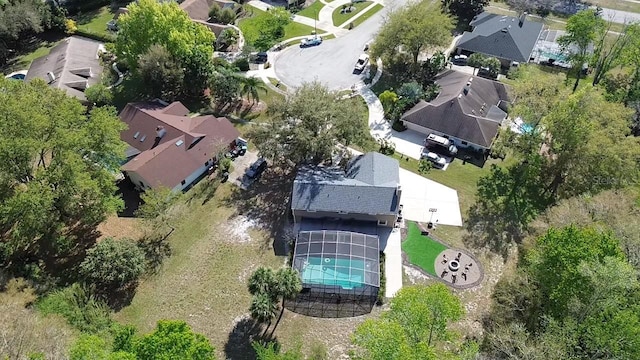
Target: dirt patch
point(238, 229)
point(121, 227)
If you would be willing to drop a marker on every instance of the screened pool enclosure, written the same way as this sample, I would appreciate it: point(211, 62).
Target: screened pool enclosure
point(340, 273)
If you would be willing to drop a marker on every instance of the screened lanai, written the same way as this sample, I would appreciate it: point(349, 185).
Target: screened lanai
point(340, 273)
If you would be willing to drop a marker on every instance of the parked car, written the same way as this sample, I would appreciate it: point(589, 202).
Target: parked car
point(112, 25)
point(362, 62)
point(437, 160)
point(441, 143)
point(460, 60)
point(487, 73)
point(256, 168)
point(311, 41)
point(259, 58)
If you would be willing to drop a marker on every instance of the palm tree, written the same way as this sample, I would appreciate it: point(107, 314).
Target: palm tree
point(263, 309)
point(251, 86)
point(262, 281)
point(288, 286)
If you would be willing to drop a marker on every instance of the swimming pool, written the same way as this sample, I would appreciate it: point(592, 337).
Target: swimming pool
point(526, 128)
point(346, 273)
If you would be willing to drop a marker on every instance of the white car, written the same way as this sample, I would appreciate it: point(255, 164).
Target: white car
point(363, 60)
point(311, 41)
point(437, 160)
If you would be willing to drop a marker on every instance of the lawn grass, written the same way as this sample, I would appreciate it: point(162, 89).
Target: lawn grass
point(340, 18)
point(617, 5)
point(95, 21)
point(312, 10)
point(367, 15)
point(421, 250)
point(291, 30)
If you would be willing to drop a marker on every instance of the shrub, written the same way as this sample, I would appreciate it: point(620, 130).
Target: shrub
point(398, 126)
point(383, 281)
point(214, 13)
point(78, 307)
point(425, 166)
point(412, 92)
point(70, 26)
point(242, 64)
point(387, 147)
point(227, 16)
point(113, 263)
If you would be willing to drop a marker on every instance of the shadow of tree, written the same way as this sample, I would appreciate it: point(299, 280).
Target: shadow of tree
point(267, 200)
point(244, 333)
point(491, 230)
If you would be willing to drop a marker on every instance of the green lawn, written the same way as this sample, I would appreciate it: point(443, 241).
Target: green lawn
point(339, 19)
point(312, 10)
point(249, 25)
point(367, 15)
point(95, 21)
point(421, 250)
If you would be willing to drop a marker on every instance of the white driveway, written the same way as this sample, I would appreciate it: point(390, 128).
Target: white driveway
point(419, 195)
point(391, 242)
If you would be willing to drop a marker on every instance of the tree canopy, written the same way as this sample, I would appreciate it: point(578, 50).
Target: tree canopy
point(420, 27)
point(165, 24)
point(415, 326)
point(56, 173)
point(113, 263)
point(569, 152)
point(464, 10)
point(306, 126)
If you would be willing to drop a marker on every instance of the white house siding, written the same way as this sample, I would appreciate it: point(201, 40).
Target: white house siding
point(191, 178)
point(137, 180)
point(456, 141)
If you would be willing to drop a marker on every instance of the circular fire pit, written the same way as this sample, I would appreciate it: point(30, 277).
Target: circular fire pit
point(454, 265)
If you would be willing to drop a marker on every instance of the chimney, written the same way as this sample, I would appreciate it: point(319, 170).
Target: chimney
point(160, 132)
point(522, 18)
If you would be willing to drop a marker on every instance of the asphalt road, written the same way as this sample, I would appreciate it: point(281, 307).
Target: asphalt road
point(331, 62)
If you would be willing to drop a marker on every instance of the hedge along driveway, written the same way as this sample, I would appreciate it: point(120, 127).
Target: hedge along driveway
point(339, 19)
point(421, 250)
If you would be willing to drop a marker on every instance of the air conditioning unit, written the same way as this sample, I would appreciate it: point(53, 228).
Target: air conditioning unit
point(51, 76)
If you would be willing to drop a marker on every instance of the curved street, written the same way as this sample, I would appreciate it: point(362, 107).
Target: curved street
point(332, 62)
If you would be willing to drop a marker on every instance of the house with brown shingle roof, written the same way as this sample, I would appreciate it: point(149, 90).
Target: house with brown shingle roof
point(169, 148)
point(469, 110)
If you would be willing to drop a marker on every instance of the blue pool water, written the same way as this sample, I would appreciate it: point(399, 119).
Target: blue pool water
point(526, 128)
point(345, 273)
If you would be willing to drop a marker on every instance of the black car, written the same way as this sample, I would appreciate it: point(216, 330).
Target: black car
point(256, 168)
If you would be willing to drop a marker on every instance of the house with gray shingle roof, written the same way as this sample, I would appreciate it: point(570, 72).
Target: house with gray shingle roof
point(367, 191)
point(469, 110)
point(504, 37)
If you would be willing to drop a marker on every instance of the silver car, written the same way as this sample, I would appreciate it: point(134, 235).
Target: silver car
point(437, 160)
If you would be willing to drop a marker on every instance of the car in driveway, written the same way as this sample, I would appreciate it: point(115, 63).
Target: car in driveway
point(440, 144)
point(460, 60)
point(256, 169)
point(362, 62)
point(437, 160)
point(311, 41)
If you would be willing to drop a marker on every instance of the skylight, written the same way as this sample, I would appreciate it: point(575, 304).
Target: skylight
point(179, 142)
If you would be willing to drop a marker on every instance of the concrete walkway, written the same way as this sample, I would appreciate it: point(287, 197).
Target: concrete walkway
point(393, 263)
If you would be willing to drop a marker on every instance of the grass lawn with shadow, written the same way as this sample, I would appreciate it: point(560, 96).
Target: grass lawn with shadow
point(95, 21)
point(252, 23)
point(367, 15)
point(421, 250)
point(340, 18)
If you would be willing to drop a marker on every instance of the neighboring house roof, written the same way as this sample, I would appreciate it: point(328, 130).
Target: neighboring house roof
point(369, 186)
point(215, 28)
point(171, 144)
point(199, 9)
point(119, 12)
point(504, 37)
point(75, 64)
point(467, 107)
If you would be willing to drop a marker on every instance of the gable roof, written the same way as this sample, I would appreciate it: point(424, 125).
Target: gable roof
point(369, 186)
point(467, 107)
point(504, 37)
point(75, 64)
point(171, 144)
